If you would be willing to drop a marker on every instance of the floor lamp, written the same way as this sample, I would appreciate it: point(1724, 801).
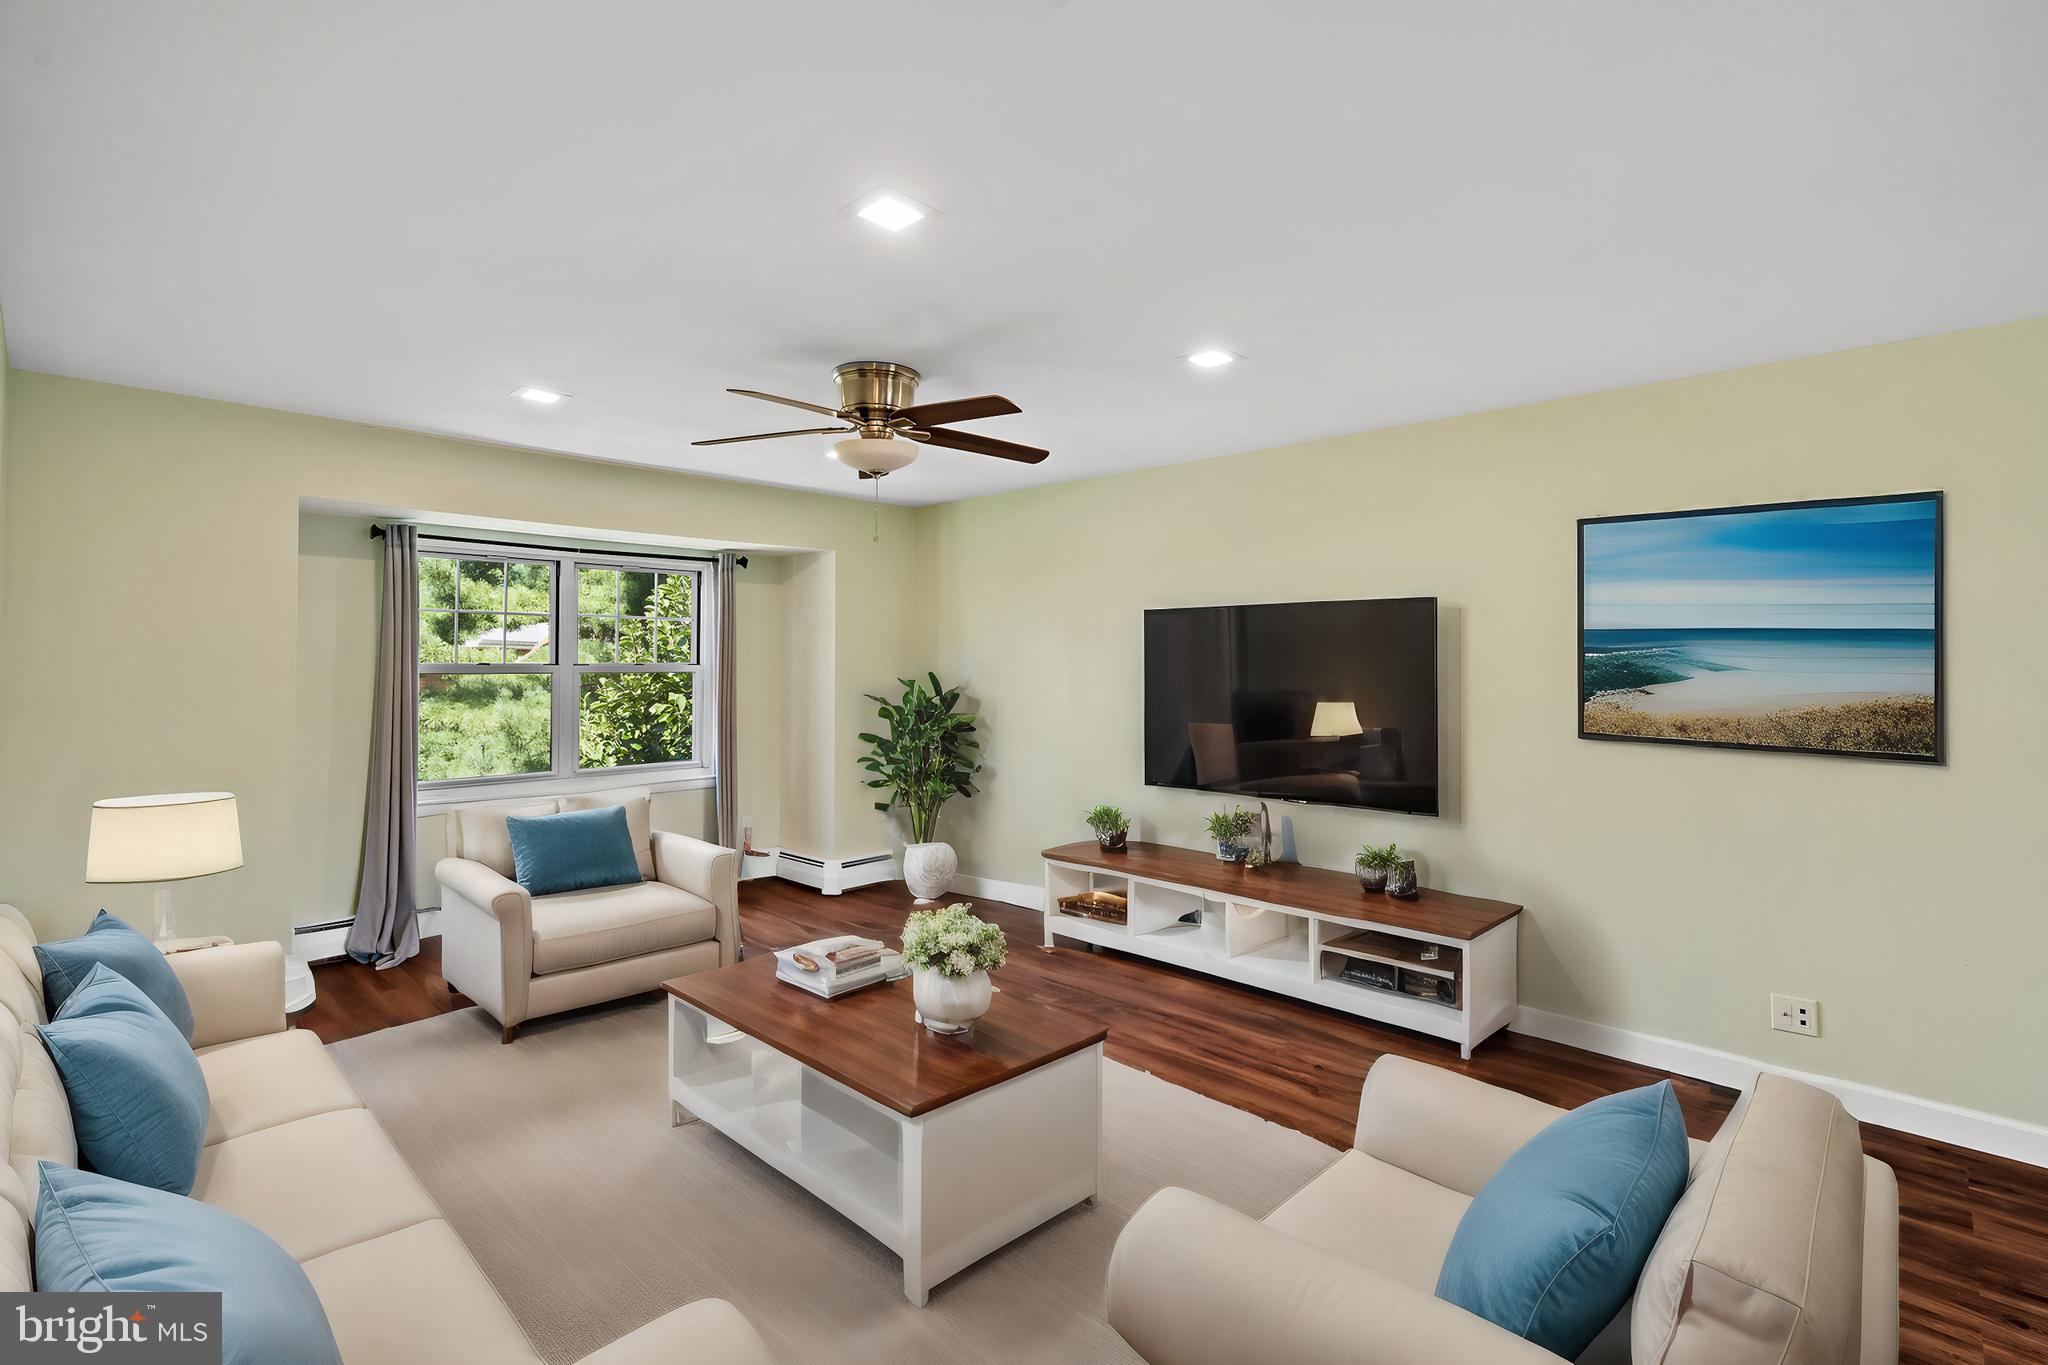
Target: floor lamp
point(163, 839)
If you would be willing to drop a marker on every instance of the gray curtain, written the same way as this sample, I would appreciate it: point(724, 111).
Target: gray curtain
point(387, 930)
point(725, 752)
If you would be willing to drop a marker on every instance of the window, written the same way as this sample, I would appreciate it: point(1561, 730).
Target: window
point(546, 664)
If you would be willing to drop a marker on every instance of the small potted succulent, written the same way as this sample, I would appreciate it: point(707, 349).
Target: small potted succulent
point(1254, 860)
point(950, 953)
point(1112, 828)
point(1230, 829)
point(1374, 865)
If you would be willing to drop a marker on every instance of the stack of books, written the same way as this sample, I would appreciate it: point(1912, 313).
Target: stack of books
point(831, 967)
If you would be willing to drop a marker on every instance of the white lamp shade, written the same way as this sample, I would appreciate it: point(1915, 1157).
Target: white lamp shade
point(882, 455)
point(1335, 719)
point(163, 838)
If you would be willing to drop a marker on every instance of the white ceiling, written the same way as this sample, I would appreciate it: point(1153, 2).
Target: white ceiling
point(398, 212)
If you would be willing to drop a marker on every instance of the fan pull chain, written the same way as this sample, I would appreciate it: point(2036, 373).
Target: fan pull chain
point(878, 509)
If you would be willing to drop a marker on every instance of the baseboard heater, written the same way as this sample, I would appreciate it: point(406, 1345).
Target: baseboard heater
point(834, 875)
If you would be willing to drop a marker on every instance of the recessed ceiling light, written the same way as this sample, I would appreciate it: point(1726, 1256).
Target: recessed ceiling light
point(547, 398)
point(886, 209)
point(1209, 360)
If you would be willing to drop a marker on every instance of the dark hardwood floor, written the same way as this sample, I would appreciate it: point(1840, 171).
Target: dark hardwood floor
point(1974, 1229)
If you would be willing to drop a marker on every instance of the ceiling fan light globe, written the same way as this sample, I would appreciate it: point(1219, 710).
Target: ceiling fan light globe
point(874, 456)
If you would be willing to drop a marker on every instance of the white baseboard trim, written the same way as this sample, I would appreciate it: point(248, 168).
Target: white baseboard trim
point(1031, 897)
point(325, 942)
point(834, 875)
point(1979, 1131)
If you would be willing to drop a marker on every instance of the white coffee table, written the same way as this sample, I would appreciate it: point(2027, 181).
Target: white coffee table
point(941, 1149)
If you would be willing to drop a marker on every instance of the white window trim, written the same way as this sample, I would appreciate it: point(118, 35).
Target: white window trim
point(566, 778)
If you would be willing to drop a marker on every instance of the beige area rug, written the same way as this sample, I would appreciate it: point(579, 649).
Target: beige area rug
point(555, 1161)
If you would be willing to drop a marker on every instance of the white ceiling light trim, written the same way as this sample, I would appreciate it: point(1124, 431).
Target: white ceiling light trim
point(547, 398)
point(890, 211)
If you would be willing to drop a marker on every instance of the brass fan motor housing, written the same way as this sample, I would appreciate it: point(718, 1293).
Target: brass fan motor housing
point(872, 392)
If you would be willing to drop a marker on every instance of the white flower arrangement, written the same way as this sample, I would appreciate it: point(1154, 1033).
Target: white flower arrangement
point(952, 942)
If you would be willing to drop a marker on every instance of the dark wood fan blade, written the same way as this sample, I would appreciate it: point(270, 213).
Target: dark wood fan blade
point(771, 435)
point(786, 402)
point(960, 410)
point(986, 445)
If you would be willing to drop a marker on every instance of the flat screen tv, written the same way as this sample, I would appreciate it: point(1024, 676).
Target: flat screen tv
point(1331, 702)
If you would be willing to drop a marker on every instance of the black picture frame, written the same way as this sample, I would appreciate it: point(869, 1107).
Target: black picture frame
point(1937, 758)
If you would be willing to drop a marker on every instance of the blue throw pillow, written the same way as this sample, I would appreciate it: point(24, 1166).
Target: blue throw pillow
point(98, 1235)
point(138, 1098)
point(573, 851)
point(67, 962)
point(1553, 1245)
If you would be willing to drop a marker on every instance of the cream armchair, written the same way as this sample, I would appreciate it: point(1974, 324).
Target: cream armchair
point(522, 956)
point(1785, 1247)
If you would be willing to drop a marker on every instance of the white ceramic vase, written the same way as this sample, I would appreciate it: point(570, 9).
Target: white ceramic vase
point(949, 1004)
point(928, 870)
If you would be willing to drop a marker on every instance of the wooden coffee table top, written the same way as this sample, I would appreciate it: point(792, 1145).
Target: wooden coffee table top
point(871, 1042)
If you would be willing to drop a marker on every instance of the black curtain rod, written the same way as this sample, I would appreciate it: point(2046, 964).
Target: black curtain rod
point(377, 533)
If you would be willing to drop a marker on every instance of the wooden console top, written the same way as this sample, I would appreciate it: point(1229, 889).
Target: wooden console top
point(1291, 885)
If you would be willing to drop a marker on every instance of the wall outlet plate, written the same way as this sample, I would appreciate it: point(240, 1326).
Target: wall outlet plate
point(1795, 1014)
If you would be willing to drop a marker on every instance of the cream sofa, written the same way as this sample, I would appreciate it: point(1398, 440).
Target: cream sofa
point(291, 1149)
point(1784, 1249)
point(522, 956)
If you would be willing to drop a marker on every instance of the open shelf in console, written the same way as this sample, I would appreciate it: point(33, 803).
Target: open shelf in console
point(1293, 930)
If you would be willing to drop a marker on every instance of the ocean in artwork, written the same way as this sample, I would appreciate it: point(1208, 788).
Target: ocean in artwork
point(1804, 627)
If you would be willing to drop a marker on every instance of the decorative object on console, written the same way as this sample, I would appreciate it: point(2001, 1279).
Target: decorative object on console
point(950, 953)
point(1230, 829)
point(1107, 906)
point(926, 759)
point(1759, 627)
point(1401, 883)
point(1254, 859)
point(168, 838)
point(1112, 827)
point(1374, 863)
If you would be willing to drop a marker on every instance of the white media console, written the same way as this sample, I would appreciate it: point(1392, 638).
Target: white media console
point(1440, 964)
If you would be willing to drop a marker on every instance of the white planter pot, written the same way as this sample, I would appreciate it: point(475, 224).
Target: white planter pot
point(928, 870)
point(949, 1004)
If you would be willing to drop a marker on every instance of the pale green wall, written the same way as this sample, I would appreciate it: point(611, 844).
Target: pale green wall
point(339, 580)
point(177, 521)
point(1669, 891)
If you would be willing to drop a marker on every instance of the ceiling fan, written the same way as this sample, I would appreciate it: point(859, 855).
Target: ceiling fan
point(884, 423)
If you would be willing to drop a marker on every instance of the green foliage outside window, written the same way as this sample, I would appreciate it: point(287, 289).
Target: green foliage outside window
point(492, 724)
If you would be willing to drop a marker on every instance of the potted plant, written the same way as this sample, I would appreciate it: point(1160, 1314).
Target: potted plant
point(950, 953)
point(926, 759)
point(1374, 864)
point(1112, 827)
point(1230, 829)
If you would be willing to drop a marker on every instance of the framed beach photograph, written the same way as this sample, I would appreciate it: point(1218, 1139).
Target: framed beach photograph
point(1802, 627)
